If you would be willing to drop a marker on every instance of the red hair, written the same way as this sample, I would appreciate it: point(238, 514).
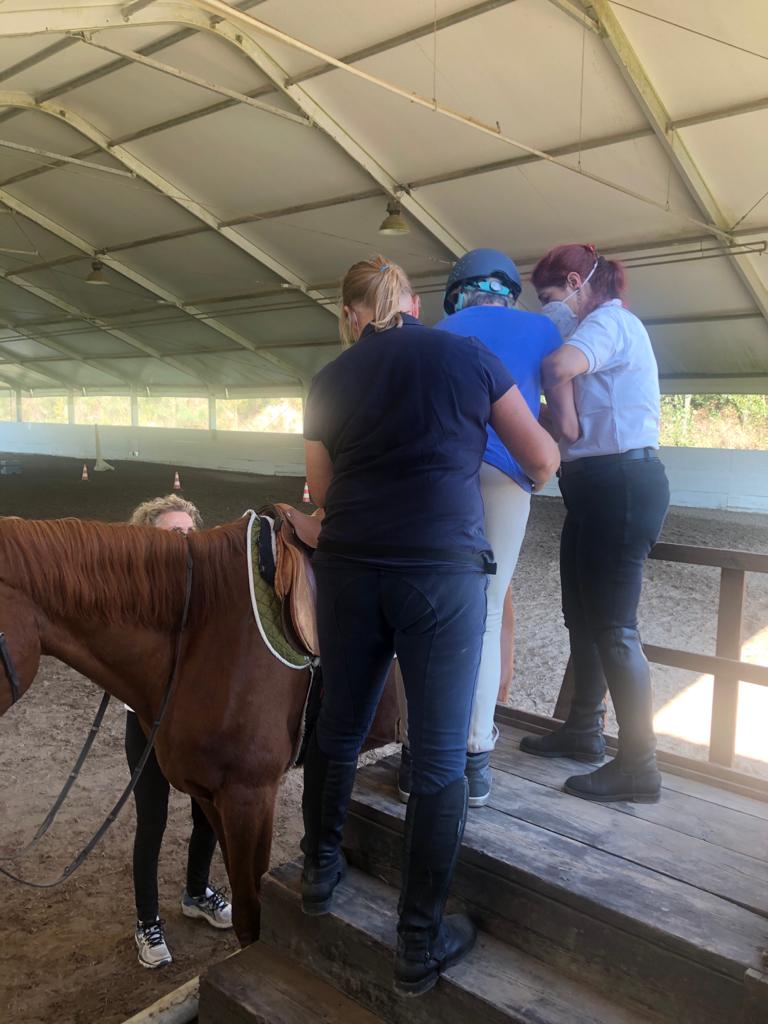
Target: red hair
point(608, 281)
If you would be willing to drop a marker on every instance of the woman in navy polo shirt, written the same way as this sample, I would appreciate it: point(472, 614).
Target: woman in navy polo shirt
point(616, 497)
point(395, 434)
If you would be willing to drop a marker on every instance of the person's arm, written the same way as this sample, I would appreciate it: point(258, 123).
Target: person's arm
point(561, 413)
point(562, 365)
point(527, 441)
point(319, 471)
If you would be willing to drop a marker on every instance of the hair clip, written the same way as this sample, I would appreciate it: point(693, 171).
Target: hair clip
point(384, 267)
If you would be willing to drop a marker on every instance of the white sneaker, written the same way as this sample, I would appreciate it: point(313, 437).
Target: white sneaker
point(212, 907)
point(150, 941)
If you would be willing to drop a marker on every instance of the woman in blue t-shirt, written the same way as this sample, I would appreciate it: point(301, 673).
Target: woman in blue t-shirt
point(395, 432)
point(616, 497)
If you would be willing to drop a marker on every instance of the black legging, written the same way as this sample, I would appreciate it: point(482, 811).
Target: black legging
point(151, 795)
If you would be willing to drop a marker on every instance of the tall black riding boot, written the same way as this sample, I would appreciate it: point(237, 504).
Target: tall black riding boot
point(427, 944)
point(633, 774)
point(327, 789)
point(581, 736)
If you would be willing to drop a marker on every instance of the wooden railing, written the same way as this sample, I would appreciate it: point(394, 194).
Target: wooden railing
point(725, 664)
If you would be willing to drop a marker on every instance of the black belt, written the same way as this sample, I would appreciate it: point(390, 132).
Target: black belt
point(478, 560)
point(633, 455)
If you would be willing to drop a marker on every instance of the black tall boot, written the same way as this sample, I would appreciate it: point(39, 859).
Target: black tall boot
point(327, 789)
point(427, 944)
point(633, 774)
point(581, 735)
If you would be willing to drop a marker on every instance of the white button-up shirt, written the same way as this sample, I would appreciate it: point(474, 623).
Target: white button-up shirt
point(617, 399)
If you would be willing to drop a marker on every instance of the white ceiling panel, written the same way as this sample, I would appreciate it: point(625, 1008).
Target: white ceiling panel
point(698, 55)
point(252, 161)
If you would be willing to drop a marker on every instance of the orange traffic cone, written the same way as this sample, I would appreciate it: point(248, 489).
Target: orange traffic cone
point(307, 499)
point(176, 481)
point(84, 474)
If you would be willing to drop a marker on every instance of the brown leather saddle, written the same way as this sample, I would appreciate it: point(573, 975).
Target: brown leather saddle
point(296, 536)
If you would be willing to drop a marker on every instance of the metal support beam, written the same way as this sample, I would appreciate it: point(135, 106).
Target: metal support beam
point(239, 97)
point(211, 412)
point(134, 409)
point(578, 14)
point(17, 394)
point(173, 193)
point(629, 64)
point(36, 58)
point(94, 321)
point(71, 408)
point(144, 282)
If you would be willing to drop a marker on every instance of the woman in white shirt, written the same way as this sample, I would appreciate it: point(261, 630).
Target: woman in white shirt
point(616, 496)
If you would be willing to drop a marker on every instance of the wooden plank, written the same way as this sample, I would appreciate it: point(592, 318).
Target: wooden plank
point(733, 876)
point(670, 913)
point(699, 787)
point(748, 561)
point(259, 985)
point(530, 901)
point(708, 664)
point(713, 823)
point(725, 694)
point(497, 984)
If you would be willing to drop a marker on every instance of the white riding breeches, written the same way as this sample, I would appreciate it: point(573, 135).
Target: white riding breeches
point(507, 507)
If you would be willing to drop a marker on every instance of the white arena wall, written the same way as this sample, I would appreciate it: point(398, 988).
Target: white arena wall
point(699, 477)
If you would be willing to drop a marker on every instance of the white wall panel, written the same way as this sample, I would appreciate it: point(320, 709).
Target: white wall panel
point(699, 477)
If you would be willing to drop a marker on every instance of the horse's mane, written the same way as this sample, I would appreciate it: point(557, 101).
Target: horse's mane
point(115, 573)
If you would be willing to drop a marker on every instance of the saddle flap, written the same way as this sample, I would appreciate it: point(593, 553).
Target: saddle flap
point(295, 579)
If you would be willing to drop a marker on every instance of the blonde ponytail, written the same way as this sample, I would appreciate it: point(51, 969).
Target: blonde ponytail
point(379, 285)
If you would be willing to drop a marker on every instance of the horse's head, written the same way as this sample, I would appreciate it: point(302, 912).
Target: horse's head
point(19, 625)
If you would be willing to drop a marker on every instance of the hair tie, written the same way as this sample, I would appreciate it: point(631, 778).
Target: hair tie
point(384, 267)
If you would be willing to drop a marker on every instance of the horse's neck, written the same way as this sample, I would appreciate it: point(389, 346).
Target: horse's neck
point(129, 662)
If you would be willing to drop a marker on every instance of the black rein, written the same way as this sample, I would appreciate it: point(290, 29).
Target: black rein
point(112, 816)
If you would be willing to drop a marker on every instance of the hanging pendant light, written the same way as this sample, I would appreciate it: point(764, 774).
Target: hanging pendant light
point(394, 223)
point(96, 275)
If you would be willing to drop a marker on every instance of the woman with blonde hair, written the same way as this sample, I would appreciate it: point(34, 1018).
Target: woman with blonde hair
point(199, 899)
point(395, 432)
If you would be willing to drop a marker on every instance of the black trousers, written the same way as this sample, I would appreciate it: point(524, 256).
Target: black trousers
point(615, 512)
point(614, 515)
point(151, 796)
point(434, 622)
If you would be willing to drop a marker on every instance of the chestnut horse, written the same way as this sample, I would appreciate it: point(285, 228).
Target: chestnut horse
point(107, 599)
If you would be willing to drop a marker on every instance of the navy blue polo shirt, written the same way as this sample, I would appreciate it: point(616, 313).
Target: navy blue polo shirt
point(403, 414)
point(521, 340)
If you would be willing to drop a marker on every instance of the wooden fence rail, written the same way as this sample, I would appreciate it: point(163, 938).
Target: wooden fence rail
point(725, 665)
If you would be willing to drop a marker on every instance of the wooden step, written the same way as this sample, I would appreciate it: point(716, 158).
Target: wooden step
point(260, 985)
point(354, 948)
point(663, 903)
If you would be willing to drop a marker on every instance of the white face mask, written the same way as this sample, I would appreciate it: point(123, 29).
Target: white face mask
point(561, 314)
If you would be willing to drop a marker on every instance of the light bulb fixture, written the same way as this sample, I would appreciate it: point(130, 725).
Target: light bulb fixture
point(96, 276)
point(394, 223)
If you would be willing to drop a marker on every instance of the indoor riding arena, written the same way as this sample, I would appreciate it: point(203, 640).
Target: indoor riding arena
point(183, 186)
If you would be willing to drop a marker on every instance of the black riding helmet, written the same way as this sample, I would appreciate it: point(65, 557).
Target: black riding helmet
point(481, 265)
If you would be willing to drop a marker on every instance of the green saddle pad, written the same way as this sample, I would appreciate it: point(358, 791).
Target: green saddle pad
point(266, 604)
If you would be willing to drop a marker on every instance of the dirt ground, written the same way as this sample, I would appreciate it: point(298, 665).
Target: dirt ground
point(67, 954)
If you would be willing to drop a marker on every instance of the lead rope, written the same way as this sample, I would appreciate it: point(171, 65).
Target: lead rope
point(71, 780)
point(112, 816)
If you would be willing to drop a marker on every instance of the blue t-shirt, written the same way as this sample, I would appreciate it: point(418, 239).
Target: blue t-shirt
point(521, 340)
point(403, 414)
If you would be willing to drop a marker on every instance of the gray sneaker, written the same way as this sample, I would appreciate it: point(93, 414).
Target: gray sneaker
point(478, 772)
point(150, 942)
point(212, 907)
point(404, 776)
